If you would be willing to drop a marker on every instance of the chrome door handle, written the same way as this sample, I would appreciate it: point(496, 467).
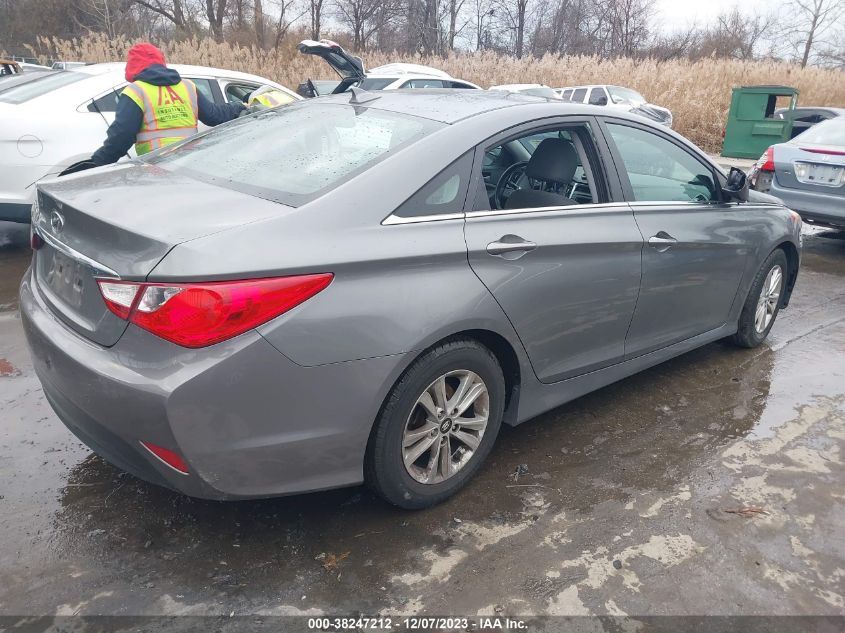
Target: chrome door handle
point(662, 241)
point(510, 244)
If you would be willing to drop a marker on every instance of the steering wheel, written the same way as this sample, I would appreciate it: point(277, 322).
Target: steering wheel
point(508, 183)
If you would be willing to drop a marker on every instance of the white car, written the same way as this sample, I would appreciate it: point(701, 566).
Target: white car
point(616, 98)
point(60, 119)
point(67, 65)
point(387, 77)
point(536, 90)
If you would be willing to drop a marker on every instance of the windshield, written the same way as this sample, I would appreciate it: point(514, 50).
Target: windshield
point(625, 95)
point(540, 92)
point(41, 86)
point(830, 132)
point(296, 153)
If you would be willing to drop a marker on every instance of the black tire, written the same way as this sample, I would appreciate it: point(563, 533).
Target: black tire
point(385, 470)
point(747, 334)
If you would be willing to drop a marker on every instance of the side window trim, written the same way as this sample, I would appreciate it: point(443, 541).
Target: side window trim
point(622, 172)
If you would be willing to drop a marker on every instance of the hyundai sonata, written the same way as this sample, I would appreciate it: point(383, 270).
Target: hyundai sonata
point(366, 286)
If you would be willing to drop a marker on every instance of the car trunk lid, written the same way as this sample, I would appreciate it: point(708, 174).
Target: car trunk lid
point(119, 223)
point(349, 67)
point(810, 167)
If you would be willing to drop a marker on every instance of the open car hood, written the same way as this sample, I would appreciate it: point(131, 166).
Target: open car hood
point(347, 66)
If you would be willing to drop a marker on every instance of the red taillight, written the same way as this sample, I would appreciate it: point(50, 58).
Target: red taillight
point(168, 457)
point(201, 314)
point(767, 160)
point(35, 240)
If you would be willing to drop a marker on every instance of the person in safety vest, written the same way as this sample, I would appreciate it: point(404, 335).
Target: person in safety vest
point(157, 108)
point(268, 97)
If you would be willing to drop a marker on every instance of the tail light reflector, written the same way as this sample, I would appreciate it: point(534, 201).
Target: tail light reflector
point(201, 314)
point(767, 160)
point(168, 457)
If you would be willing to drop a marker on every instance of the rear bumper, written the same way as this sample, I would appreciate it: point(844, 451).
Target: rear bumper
point(819, 208)
point(248, 421)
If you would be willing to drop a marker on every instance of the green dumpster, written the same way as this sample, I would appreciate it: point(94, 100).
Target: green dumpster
point(751, 127)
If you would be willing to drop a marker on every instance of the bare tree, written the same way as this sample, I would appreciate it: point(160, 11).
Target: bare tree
point(455, 7)
point(364, 18)
point(734, 35)
point(215, 10)
point(258, 22)
point(512, 16)
point(315, 8)
point(810, 21)
point(172, 10)
point(484, 13)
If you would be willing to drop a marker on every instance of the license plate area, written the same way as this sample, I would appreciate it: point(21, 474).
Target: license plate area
point(818, 174)
point(64, 277)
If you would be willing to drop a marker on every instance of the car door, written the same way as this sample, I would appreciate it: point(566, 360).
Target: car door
point(696, 244)
point(566, 276)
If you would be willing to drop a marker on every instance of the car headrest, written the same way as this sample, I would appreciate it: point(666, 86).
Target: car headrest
point(554, 160)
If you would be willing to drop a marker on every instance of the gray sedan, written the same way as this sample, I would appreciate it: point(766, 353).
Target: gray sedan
point(365, 287)
point(808, 173)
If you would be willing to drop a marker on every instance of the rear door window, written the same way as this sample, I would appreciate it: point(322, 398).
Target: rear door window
point(422, 83)
point(204, 87)
point(578, 95)
point(106, 103)
point(598, 96)
point(376, 83)
point(566, 95)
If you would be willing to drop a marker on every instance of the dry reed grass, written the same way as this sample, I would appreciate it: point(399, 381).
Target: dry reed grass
point(697, 92)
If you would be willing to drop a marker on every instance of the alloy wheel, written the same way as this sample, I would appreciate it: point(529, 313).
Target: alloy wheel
point(767, 304)
point(445, 426)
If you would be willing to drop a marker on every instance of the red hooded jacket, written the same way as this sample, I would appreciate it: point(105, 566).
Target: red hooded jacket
point(140, 57)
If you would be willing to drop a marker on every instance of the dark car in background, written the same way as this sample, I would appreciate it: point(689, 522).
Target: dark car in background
point(805, 117)
point(808, 173)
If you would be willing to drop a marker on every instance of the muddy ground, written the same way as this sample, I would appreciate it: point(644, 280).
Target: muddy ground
point(712, 484)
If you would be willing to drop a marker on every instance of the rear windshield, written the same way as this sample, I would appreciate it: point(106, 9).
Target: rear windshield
point(830, 132)
point(40, 86)
point(376, 83)
point(625, 95)
point(296, 153)
point(548, 93)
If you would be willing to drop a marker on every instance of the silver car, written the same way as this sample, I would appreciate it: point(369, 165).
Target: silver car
point(364, 287)
point(807, 173)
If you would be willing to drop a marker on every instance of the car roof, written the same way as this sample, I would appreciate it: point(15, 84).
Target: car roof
point(450, 106)
point(403, 69)
point(182, 69)
point(517, 86)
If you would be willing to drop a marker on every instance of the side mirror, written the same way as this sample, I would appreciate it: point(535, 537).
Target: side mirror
point(736, 186)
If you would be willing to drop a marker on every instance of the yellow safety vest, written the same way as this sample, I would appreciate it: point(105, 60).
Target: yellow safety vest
point(271, 98)
point(170, 113)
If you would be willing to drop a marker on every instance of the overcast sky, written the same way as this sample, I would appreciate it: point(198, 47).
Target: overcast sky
point(676, 14)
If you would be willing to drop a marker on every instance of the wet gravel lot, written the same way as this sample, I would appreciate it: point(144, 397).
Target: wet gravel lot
point(712, 484)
